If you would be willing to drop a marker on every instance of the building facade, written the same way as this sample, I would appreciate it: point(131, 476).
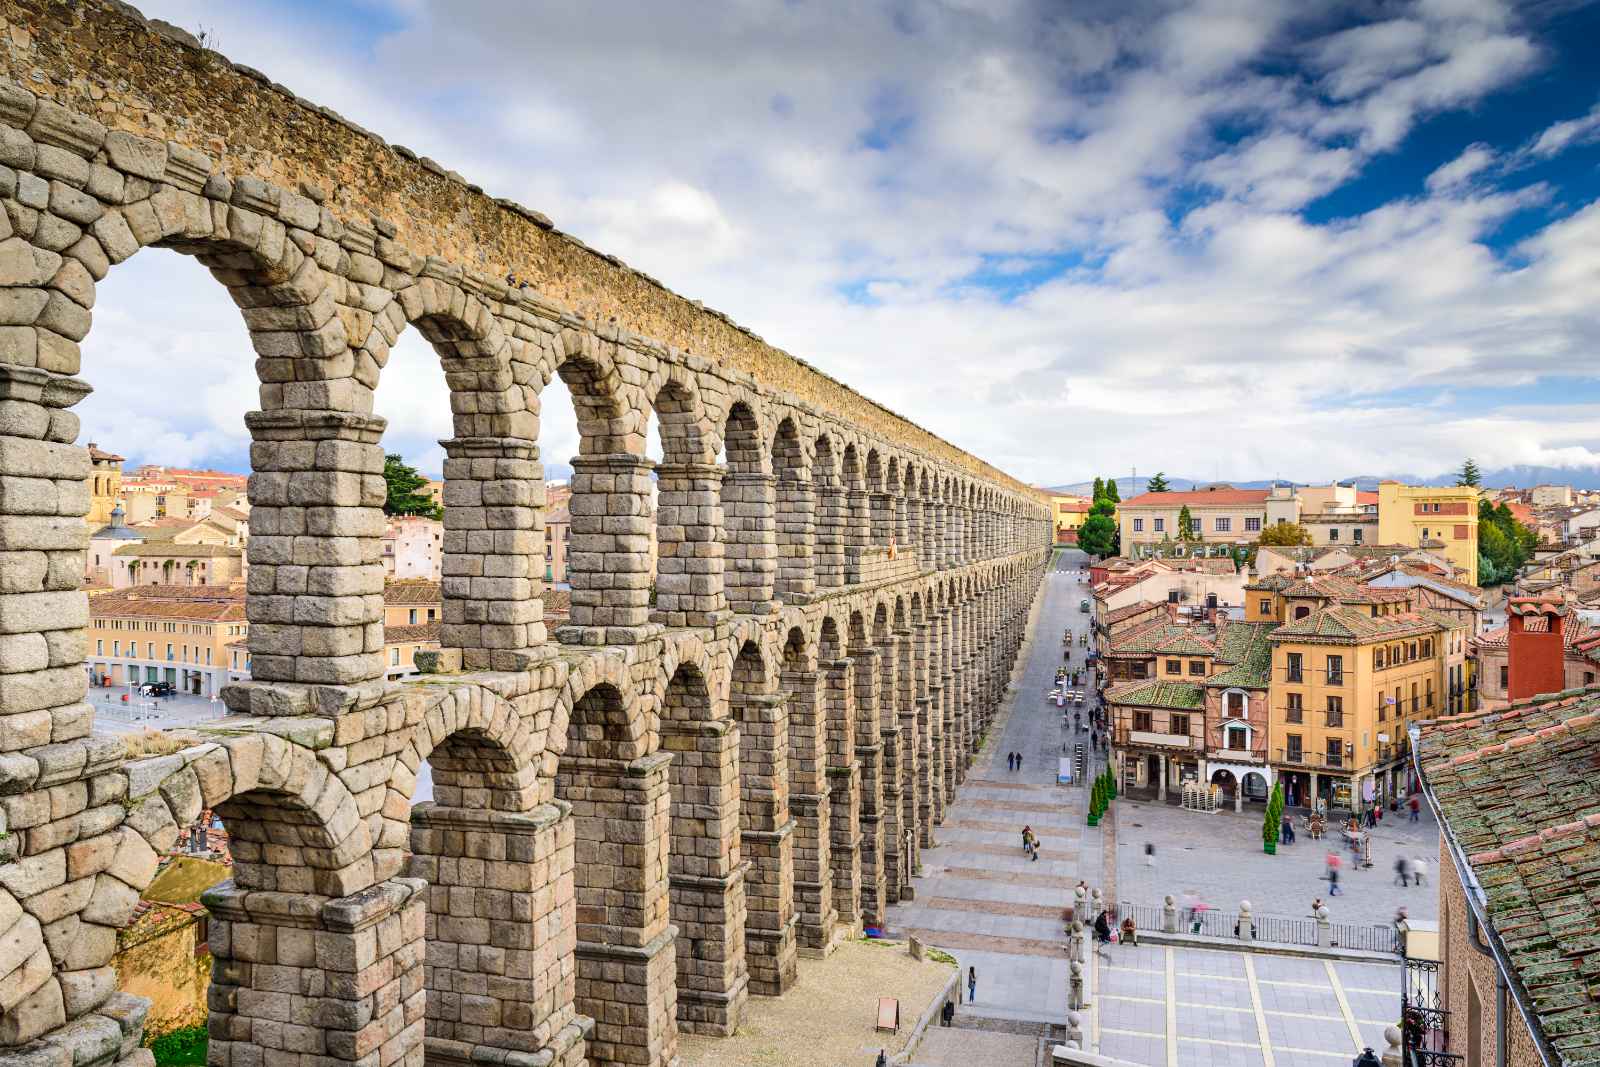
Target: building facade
point(1221, 514)
point(1443, 519)
point(180, 635)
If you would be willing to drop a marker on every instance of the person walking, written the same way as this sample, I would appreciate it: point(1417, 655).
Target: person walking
point(1419, 870)
point(1415, 805)
point(1402, 871)
point(1011, 761)
point(972, 984)
point(1149, 854)
point(1019, 761)
point(947, 1013)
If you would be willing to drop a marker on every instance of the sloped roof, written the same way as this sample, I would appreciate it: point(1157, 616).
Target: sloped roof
point(1198, 497)
point(191, 603)
point(424, 631)
point(412, 591)
point(1347, 625)
point(1519, 793)
point(1167, 636)
point(1179, 696)
point(173, 548)
point(1127, 611)
point(1248, 647)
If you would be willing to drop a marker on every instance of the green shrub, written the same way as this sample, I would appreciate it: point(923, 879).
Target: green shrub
point(181, 1048)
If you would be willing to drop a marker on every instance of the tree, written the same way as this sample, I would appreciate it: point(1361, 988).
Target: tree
point(1468, 475)
point(1099, 489)
point(1285, 533)
point(1111, 492)
point(1098, 534)
point(1186, 531)
point(1273, 819)
point(1157, 484)
point(403, 498)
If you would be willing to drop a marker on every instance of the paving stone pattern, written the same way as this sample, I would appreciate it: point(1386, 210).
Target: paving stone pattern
point(1166, 1006)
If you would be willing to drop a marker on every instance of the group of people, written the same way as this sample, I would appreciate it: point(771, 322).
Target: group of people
point(1106, 929)
point(1014, 761)
point(1030, 844)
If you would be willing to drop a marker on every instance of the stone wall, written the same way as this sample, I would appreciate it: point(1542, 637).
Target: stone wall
point(638, 821)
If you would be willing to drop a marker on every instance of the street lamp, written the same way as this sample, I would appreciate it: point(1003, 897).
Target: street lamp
point(1367, 1059)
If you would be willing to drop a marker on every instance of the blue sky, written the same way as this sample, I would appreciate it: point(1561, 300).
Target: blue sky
point(1256, 237)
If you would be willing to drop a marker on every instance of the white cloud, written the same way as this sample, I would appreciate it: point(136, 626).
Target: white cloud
point(778, 156)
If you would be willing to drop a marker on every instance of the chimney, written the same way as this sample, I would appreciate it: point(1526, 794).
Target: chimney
point(1535, 646)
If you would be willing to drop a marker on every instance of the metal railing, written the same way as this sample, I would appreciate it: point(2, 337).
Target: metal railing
point(1272, 929)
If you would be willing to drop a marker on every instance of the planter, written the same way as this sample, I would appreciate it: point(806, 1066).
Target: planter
point(1270, 847)
point(1094, 820)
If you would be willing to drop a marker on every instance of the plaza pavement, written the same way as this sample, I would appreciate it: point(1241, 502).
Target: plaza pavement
point(1189, 845)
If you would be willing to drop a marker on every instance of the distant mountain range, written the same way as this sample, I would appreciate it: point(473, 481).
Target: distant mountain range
point(1524, 477)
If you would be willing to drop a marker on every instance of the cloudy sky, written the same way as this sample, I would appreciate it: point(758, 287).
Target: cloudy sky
point(1240, 238)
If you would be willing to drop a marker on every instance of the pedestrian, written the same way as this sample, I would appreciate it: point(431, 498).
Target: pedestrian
point(1402, 871)
point(1284, 830)
point(1149, 854)
point(1419, 871)
point(1019, 761)
point(1102, 927)
point(883, 1059)
point(1316, 906)
point(1130, 931)
point(1036, 844)
point(972, 984)
point(947, 1013)
point(1011, 761)
point(1415, 804)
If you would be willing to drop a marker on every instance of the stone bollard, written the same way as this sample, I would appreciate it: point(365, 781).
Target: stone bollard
point(1392, 1056)
point(1075, 1030)
point(1247, 924)
point(1075, 997)
point(1075, 942)
point(1169, 916)
point(1324, 928)
point(914, 947)
point(1097, 902)
point(1080, 905)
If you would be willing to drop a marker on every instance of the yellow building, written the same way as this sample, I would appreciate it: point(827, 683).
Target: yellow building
point(1347, 678)
point(161, 633)
point(105, 485)
point(1070, 512)
point(1441, 519)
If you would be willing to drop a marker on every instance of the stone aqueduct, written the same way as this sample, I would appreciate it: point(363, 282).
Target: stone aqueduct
point(640, 819)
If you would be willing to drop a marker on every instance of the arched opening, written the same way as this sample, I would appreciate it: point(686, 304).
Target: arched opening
point(748, 497)
point(858, 516)
point(843, 774)
point(930, 756)
point(866, 664)
point(707, 878)
point(179, 495)
point(766, 834)
point(796, 562)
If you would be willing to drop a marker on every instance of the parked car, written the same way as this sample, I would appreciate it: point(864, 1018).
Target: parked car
point(1083, 605)
point(157, 689)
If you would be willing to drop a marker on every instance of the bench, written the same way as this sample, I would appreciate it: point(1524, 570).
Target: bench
point(888, 1015)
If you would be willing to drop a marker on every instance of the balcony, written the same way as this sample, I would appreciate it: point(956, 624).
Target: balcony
point(1335, 677)
point(1155, 740)
point(1294, 674)
point(1314, 760)
point(1335, 720)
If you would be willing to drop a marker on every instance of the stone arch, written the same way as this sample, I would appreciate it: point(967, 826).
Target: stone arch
point(689, 579)
point(484, 755)
point(612, 725)
point(794, 513)
point(749, 512)
point(686, 431)
point(832, 511)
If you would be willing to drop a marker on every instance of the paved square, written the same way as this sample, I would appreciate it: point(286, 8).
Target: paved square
point(1163, 1005)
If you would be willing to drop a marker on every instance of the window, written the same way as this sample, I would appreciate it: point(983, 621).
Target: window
point(116, 648)
point(1333, 533)
point(394, 656)
point(1266, 607)
point(1223, 525)
point(432, 612)
point(1377, 659)
point(1505, 682)
point(1355, 535)
point(1252, 525)
point(169, 651)
point(1197, 668)
point(1293, 667)
point(1588, 677)
point(1335, 712)
point(1428, 694)
point(1335, 752)
point(149, 650)
point(1141, 721)
point(1335, 670)
point(1427, 646)
point(1174, 666)
point(1295, 710)
point(411, 616)
point(1138, 526)
point(1180, 725)
point(100, 648)
point(1238, 738)
point(1158, 525)
point(208, 655)
point(1236, 706)
point(1293, 752)
point(1414, 705)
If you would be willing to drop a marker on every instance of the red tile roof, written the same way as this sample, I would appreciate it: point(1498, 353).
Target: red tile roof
point(1217, 497)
